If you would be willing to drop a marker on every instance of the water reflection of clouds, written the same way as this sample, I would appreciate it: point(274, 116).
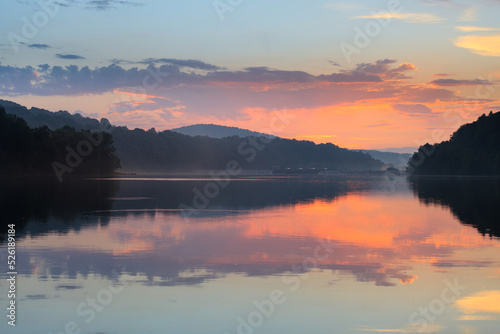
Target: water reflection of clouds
point(377, 243)
point(483, 305)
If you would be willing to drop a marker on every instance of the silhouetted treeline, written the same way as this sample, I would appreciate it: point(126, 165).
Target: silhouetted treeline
point(36, 117)
point(474, 149)
point(49, 152)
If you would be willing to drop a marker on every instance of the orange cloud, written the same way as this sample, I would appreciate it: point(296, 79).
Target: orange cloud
point(442, 75)
point(472, 28)
point(481, 45)
point(408, 17)
point(145, 96)
point(476, 317)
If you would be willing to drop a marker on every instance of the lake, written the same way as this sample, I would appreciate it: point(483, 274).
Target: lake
point(309, 254)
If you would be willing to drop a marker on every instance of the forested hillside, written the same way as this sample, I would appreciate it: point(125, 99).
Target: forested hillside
point(64, 151)
point(141, 150)
point(218, 131)
point(474, 149)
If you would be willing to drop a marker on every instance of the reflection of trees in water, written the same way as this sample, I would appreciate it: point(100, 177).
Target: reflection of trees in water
point(243, 195)
point(473, 201)
point(51, 206)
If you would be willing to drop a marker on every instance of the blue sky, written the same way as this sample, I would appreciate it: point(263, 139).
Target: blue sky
point(440, 39)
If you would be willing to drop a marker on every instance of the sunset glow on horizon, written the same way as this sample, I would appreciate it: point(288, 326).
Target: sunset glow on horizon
point(361, 75)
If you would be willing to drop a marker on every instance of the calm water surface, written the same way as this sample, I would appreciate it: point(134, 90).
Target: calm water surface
point(264, 255)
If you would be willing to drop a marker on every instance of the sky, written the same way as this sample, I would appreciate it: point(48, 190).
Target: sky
point(360, 74)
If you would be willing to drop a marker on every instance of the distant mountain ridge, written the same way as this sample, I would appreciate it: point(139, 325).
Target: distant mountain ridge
point(401, 150)
point(218, 131)
point(398, 160)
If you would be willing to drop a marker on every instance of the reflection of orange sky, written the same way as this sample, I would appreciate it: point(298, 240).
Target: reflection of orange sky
point(371, 223)
point(480, 302)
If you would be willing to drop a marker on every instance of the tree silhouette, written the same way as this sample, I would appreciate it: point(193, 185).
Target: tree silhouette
point(474, 149)
point(33, 151)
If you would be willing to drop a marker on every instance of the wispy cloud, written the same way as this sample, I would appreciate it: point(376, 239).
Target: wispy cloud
point(69, 56)
point(481, 45)
point(413, 109)
point(431, 328)
point(472, 28)
point(442, 75)
point(99, 5)
point(189, 63)
point(455, 82)
point(476, 318)
point(334, 63)
point(376, 125)
point(408, 17)
point(39, 46)
point(109, 4)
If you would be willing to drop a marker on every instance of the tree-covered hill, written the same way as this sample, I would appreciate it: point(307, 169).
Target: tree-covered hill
point(36, 117)
point(60, 152)
point(474, 149)
point(217, 131)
